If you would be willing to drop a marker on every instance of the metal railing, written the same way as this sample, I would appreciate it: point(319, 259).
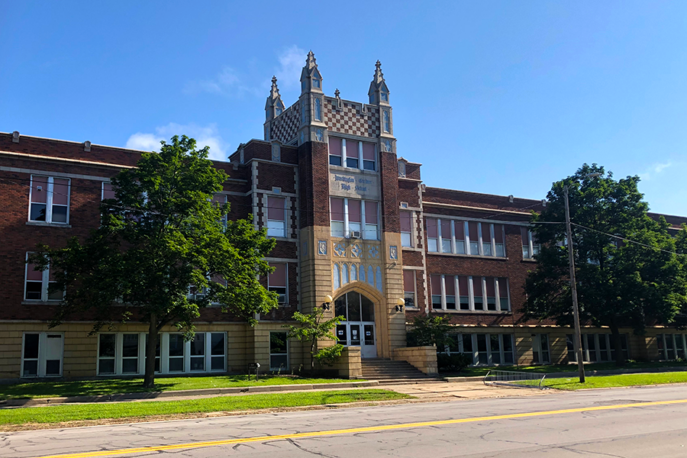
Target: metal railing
point(515, 379)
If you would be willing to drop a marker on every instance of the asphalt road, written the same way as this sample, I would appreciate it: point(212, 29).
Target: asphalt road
point(602, 423)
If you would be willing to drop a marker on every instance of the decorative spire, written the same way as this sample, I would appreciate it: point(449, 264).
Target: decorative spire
point(310, 61)
point(379, 92)
point(311, 79)
point(274, 92)
point(379, 76)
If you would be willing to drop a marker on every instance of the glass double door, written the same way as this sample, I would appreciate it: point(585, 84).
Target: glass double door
point(358, 327)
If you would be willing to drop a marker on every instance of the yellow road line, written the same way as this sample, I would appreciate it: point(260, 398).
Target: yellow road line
point(162, 448)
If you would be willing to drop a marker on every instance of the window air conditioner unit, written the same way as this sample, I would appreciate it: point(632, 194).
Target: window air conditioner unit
point(355, 234)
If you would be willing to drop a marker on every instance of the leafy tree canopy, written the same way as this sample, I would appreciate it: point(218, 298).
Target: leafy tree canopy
point(161, 237)
point(620, 283)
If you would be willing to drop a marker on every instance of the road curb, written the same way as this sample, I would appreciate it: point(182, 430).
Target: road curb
point(183, 393)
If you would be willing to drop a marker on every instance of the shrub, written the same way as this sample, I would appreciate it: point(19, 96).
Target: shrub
point(453, 362)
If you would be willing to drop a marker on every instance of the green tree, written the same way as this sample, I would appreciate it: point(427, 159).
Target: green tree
point(430, 330)
point(311, 329)
point(161, 237)
point(620, 283)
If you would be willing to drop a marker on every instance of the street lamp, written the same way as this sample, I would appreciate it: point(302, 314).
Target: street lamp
point(577, 343)
point(327, 300)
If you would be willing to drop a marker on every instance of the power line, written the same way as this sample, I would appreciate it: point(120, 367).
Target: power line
point(627, 240)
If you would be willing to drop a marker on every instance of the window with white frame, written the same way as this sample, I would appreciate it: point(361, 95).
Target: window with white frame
point(530, 246)
point(335, 149)
point(124, 353)
point(369, 156)
point(484, 349)
point(49, 199)
point(540, 349)
point(406, 229)
point(38, 284)
point(277, 282)
point(597, 348)
point(279, 351)
point(466, 293)
point(352, 153)
point(473, 238)
point(354, 218)
point(42, 354)
point(276, 216)
point(409, 286)
point(221, 199)
point(671, 347)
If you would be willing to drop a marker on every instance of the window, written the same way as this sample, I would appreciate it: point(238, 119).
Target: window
point(352, 154)
point(276, 220)
point(409, 287)
point(478, 298)
point(318, 105)
point(303, 117)
point(450, 290)
point(503, 294)
point(42, 354)
point(473, 237)
point(38, 285)
point(459, 228)
point(485, 237)
point(530, 246)
point(435, 284)
point(354, 218)
point(486, 349)
point(386, 121)
point(596, 347)
point(124, 353)
point(279, 111)
point(369, 160)
point(279, 351)
point(108, 191)
point(540, 349)
point(406, 229)
point(335, 151)
point(221, 199)
point(671, 346)
point(445, 235)
point(401, 168)
point(385, 96)
point(464, 293)
point(316, 83)
point(49, 199)
point(277, 283)
point(491, 294)
point(499, 242)
point(432, 235)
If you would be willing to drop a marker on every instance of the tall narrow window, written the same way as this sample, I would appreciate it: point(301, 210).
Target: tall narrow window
point(371, 220)
point(316, 83)
point(303, 118)
point(276, 221)
point(406, 229)
point(491, 294)
point(217, 351)
point(459, 227)
point(499, 241)
point(197, 352)
point(409, 287)
point(486, 239)
point(401, 168)
point(130, 354)
point(477, 291)
point(386, 121)
point(337, 216)
point(318, 107)
point(276, 282)
point(38, 285)
point(503, 294)
point(334, 151)
point(106, 354)
point(432, 235)
point(445, 236)
point(355, 218)
point(435, 283)
point(473, 233)
point(464, 293)
point(369, 160)
point(384, 96)
point(279, 351)
point(450, 287)
point(49, 199)
point(108, 191)
point(176, 352)
point(525, 236)
point(352, 154)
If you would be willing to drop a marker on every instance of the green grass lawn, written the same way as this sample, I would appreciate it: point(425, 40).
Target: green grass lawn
point(610, 381)
point(63, 413)
point(479, 371)
point(116, 386)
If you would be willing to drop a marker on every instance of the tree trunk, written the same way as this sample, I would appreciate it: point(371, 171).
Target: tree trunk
point(312, 355)
point(153, 336)
point(617, 345)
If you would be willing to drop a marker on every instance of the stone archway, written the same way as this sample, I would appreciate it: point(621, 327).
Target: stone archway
point(365, 324)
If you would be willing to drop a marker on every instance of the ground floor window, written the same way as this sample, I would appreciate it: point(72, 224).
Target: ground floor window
point(42, 354)
point(279, 351)
point(597, 348)
point(540, 349)
point(671, 346)
point(124, 353)
point(485, 349)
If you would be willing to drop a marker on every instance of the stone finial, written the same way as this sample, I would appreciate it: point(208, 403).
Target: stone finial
point(379, 76)
point(310, 61)
point(15, 136)
point(274, 91)
point(87, 146)
point(337, 93)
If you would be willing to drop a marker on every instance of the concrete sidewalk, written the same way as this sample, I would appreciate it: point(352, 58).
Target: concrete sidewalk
point(466, 390)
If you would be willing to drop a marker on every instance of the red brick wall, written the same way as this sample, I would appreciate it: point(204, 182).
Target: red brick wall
point(389, 183)
point(313, 175)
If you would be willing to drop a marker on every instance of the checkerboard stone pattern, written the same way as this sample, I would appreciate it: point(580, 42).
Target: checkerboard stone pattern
point(350, 120)
point(285, 126)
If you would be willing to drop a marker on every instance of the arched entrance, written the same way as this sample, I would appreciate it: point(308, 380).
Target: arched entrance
point(358, 329)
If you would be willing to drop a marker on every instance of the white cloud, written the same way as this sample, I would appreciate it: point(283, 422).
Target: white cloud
point(291, 61)
point(655, 169)
point(205, 136)
point(227, 82)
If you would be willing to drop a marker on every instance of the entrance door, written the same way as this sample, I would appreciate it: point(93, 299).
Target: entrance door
point(358, 327)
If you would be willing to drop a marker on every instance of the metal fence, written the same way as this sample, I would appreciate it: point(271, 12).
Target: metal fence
point(515, 379)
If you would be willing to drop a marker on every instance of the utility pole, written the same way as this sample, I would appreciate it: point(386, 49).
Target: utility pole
point(573, 286)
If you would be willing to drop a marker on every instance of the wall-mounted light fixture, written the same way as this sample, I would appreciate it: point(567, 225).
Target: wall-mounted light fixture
point(325, 303)
point(400, 302)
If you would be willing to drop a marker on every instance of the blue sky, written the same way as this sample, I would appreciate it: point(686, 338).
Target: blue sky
point(494, 97)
